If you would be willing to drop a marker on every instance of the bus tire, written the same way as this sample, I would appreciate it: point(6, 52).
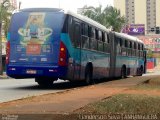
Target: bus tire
point(123, 72)
point(43, 82)
point(140, 71)
point(88, 77)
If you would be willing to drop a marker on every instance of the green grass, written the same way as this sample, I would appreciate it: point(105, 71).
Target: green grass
point(149, 85)
point(125, 103)
point(146, 87)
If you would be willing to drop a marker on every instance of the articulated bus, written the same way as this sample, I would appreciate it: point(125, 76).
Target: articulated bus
point(48, 43)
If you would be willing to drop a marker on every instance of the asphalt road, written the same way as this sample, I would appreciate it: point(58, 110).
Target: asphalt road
point(12, 89)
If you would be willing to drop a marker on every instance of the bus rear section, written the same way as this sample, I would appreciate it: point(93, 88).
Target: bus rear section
point(34, 48)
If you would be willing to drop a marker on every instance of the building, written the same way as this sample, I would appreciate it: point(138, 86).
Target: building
point(145, 12)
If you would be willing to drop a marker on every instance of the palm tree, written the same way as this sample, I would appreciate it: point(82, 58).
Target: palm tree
point(93, 13)
point(109, 17)
point(114, 19)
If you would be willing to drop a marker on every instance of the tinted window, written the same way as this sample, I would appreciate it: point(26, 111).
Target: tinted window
point(97, 36)
point(100, 35)
point(126, 43)
point(86, 29)
point(92, 33)
point(77, 35)
point(93, 44)
point(70, 28)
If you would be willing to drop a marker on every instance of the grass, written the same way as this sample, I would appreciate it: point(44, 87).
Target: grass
point(129, 103)
point(153, 84)
point(125, 103)
point(146, 87)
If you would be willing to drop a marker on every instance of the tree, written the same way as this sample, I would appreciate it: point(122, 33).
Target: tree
point(114, 19)
point(109, 17)
point(149, 53)
point(5, 14)
point(94, 13)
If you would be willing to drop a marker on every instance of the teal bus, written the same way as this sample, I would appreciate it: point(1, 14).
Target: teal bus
point(49, 44)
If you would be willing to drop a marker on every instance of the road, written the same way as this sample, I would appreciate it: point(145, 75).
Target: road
point(12, 89)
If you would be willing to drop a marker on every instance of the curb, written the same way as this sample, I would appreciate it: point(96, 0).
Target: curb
point(3, 77)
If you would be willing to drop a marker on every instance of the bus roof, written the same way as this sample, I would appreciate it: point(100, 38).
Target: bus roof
point(88, 20)
point(41, 10)
point(81, 17)
point(122, 35)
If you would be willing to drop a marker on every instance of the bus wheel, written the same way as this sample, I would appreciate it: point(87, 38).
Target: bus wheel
point(43, 82)
point(140, 71)
point(88, 77)
point(123, 72)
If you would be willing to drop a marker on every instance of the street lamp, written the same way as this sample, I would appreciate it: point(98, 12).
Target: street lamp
point(3, 6)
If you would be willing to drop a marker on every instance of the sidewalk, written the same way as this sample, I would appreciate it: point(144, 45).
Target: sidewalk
point(4, 76)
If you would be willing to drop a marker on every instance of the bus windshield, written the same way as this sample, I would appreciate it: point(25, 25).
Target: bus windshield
point(34, 37)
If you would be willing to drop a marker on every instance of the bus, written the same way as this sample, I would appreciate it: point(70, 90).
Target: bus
point(49, 44)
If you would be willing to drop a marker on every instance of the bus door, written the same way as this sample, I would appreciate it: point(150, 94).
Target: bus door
point(77, 51)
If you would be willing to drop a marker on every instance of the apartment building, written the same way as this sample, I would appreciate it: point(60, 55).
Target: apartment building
point(145, 12)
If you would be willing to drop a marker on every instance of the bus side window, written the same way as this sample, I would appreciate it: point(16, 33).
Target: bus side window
point(107, 38)
point(77, 35)
point(126, 43)
point(70, 28)
point(138, 46)
point(97, 35)
point(121, 42)
point(130, 45)
point(100, 35)
point(100, 42)
point(93, 41)
point(142, 48)
point(82, 29)
point(93, 33)
point(103, 37)
point(85, 39)
point(135, 45)
point(119, 46)
point(89, 32)
point(86, 30)
point(106, 41)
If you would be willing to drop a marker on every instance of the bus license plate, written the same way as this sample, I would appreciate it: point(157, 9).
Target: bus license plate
point(31, 71)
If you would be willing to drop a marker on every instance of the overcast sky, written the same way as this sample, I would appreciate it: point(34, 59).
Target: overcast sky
point(65, 4)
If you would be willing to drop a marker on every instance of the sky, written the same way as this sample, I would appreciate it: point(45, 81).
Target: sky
point(64, 4)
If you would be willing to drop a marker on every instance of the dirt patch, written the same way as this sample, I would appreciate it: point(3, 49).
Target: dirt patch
point(60, 102)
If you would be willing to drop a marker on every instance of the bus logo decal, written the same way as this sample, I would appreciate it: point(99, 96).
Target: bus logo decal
point(35, 30)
